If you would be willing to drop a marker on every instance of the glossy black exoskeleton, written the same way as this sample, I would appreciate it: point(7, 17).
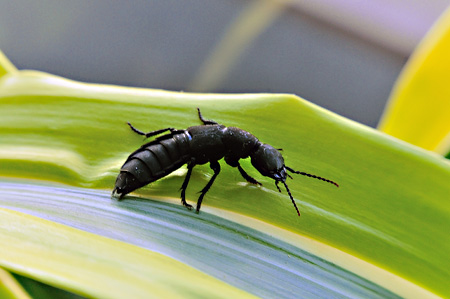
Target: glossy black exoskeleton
point(207, 143)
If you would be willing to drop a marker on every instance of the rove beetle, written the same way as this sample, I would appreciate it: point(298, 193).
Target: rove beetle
point(198, 145)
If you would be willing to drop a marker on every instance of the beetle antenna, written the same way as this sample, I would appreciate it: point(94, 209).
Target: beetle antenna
point(292, 198)
point(311, 176)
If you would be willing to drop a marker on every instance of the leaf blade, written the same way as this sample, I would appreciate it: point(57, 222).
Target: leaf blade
point(93, 262)
point(418, 109)
point(253, 259)
point(384, 183)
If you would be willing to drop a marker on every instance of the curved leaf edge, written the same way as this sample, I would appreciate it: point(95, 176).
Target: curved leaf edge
point(418, 108)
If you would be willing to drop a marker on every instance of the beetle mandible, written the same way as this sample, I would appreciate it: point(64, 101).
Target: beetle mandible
point(198, 145)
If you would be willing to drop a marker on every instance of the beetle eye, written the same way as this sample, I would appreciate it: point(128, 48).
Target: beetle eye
point(280, 175)
point(277, 176)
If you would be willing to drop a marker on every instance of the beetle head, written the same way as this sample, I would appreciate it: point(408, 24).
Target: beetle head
point(269, 162)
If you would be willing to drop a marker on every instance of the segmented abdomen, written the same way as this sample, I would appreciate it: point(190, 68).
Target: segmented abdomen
point(153, 161)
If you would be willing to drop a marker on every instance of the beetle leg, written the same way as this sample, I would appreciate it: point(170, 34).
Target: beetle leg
point(204, 121)
point(152, 133)
point(216, 167)
point(184, 186)
point(235, 163)
point(278, 187)
point(247, 177)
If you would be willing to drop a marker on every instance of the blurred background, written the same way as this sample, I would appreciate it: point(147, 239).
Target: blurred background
point(344, 55)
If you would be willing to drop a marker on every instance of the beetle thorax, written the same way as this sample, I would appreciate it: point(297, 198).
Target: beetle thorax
point(239, 143)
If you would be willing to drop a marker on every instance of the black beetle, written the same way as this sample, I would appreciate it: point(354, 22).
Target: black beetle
point(198, 145)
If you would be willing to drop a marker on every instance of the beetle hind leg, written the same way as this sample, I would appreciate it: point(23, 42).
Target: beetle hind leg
point(205, 121)
point(184, 186)
point(216, 167)
point(150, 134)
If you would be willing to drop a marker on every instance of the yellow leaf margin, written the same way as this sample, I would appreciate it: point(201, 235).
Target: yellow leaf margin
point(419, 107)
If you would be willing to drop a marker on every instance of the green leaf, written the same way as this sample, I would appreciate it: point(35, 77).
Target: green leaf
point(391, 210)
point(10, 288)
point(40, 290)
point(255, 259)
point(96, 266)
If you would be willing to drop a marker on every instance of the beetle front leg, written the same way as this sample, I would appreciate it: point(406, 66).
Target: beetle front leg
point(184, 186)
point(278, 187)
point(216, 167)
point(246, 176)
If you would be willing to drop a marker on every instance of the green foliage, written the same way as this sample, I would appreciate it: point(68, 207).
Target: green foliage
point(391, 210)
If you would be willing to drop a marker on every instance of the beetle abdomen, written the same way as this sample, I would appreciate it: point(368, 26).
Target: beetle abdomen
point(153, 161)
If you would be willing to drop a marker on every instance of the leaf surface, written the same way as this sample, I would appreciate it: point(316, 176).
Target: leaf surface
point(391, 209)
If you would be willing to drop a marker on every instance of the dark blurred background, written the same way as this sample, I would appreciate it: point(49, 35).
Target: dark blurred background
point(344, 55)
